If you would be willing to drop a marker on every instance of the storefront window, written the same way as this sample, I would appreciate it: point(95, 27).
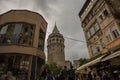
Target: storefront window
point(4, 29)
point(17, 64)
point(17, 33)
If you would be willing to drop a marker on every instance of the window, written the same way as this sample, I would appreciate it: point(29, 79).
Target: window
point(96, 26)
point(15, 63)
point(57, 40)
point(86, 20)
point(108, 36)
point(41, 40)
point(92, 50)
point(53, 40)
point(115, 32)
point(90, 16)
point(88, 34)
point(97, 47)
point(105, 12)
point(17, 33)
point(102, 43)
point(83, 24)
point(100, 18)
point(4, 29)
point(60, 41)
point(50, 41)
point(92, 31)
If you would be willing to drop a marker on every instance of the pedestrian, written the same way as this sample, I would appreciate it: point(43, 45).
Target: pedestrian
point(97, 77)
point(71, 74)
point(49, 76)
point(105, 75)
point(10, 76)
point(44, 73)
point(64, 74)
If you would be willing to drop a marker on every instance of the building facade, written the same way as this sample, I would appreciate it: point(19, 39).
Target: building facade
point(22, 35)
point(56, 48)
point(101, 24)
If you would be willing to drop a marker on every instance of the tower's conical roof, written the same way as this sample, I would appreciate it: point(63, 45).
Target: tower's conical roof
point(55, 30)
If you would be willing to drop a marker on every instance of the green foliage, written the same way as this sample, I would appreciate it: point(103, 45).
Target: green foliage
point(83, 61)
point(55, 70)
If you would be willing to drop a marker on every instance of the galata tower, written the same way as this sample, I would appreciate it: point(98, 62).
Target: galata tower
point(56, 48)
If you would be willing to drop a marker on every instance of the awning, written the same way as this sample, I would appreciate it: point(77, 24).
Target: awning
point(113, 55)
point(91, 63)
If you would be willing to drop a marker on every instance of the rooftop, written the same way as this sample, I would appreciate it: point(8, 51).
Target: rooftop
point(84, 7)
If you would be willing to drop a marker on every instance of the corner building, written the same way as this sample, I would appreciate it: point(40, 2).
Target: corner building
point(56, 48)
point(22, 35)
point(101, 24)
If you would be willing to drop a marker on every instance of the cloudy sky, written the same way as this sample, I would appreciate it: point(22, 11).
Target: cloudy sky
point(65, 13)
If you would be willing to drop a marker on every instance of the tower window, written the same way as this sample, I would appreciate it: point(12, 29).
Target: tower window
point(57, 40)
point(60, 41)
point(53, 39)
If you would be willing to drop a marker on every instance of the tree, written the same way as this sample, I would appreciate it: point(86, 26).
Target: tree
point(83, 61)
point(55, 70)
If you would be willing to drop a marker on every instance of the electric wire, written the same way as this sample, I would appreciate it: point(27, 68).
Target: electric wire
point(70, 38)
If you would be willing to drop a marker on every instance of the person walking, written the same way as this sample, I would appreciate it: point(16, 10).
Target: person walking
point(64, 74)
point(71, 74)
point(49, 76)
point(10, 76)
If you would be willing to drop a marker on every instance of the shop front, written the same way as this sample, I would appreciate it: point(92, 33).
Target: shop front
point(86, 68)
point(112, 64)
point(23, 67)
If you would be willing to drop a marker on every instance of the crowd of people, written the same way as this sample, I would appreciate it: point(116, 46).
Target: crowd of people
point(101, 75)
point(65, 74)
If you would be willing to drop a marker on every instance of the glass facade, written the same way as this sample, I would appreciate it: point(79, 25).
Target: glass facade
point(17, 64)
point(17, 33)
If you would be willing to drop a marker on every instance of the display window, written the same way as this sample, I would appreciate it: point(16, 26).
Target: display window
point(17, 33)
point(17, 64)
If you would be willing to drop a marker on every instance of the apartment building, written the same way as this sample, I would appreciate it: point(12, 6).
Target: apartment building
point(101, 25)
point(100, 21)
